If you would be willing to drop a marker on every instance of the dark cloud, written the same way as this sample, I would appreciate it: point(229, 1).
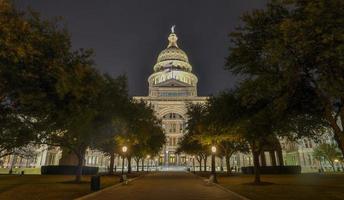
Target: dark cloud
point(127, 35)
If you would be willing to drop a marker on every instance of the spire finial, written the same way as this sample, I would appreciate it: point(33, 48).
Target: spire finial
point(172, 28)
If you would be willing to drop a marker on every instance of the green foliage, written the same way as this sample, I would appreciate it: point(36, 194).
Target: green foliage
point(291, 55)
point(327, 152)
point(145, 135)
point(34, 57)
point(51, 94)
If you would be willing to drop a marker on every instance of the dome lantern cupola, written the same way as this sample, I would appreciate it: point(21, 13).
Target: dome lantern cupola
point(172, 56)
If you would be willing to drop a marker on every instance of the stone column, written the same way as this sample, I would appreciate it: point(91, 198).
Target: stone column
point(280, 157)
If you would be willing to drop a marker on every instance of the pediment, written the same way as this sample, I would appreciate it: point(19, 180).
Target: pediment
point(172, 83)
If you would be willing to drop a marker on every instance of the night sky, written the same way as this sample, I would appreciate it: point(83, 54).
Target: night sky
point(127, 35)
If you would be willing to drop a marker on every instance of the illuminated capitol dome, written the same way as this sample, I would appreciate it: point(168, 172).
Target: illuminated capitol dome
point(172, 69)
point(172, 86)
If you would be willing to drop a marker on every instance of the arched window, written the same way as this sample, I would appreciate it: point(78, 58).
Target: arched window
point(173, 116)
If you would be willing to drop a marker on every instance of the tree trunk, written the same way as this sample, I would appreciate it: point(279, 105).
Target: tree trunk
point(332, 165)
point(213, 167)
point(137, 164)
point(339, 137)
point(200, 163)
point(256, 166)
point(262, 158)
point(337, 130)
point(228, 165)
point(112, 162)
point(129, 164)
point(143, 164)
point(221, 166)
point(79, 167)
point(280, 156)
point(205, 163)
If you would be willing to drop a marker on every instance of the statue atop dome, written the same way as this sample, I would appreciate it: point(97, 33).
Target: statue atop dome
point(172, 28)
point(172, 38)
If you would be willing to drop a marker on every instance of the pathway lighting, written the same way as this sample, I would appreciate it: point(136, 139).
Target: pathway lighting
point(124, 150)
point(213, 172)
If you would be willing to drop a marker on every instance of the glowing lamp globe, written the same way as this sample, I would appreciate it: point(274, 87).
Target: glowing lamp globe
point(124, 149)
point(213, 149)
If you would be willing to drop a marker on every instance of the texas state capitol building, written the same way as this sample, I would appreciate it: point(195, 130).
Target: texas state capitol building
point(172, 86)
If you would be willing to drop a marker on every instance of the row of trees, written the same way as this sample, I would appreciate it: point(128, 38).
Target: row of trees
point(289, 59)
point(203, 132)
point(52, 94)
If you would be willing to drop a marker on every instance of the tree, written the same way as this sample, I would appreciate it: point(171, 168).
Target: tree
point(112, 104)
point(15, 135)
point(241, 116)
point(291, 52)
point(77, 117)
point(144, 133)
point(327, 152)
point(150, 146)
point(51, 94)
point(198, 132)
point(192, 147)
point(229, 142)
point(32, 70)
point(229, 147)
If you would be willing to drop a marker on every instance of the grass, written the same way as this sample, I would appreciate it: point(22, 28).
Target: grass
point(19, 170)
point(286, 187)
point(52, 187)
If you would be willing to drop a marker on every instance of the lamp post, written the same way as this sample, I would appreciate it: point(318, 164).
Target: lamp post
point(336, 161)
point(213, 173)
point(124, 150)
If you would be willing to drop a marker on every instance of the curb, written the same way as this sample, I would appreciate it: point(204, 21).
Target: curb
point(108, 188)
point(223, 188)
point(230, 191)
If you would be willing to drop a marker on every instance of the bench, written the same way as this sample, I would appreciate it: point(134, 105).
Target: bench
point(124, 179)
point(210, 180)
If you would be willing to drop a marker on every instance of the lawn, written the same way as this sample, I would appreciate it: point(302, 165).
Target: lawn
point(283, 187)
point(52, 187)
point(19, 170)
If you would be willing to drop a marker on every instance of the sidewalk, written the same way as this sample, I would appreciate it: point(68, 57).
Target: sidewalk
point(165, 186)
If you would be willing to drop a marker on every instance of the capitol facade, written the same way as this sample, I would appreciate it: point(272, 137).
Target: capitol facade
point(172, 86)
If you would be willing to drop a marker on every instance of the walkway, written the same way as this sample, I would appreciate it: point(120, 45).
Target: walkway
point(166, 186)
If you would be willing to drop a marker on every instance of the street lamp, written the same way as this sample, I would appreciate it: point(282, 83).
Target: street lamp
point(336, 165)
point(213, 173)
point(213, 149)
point(124, 150)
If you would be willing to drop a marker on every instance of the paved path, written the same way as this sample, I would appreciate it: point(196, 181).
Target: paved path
point(165, 186)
